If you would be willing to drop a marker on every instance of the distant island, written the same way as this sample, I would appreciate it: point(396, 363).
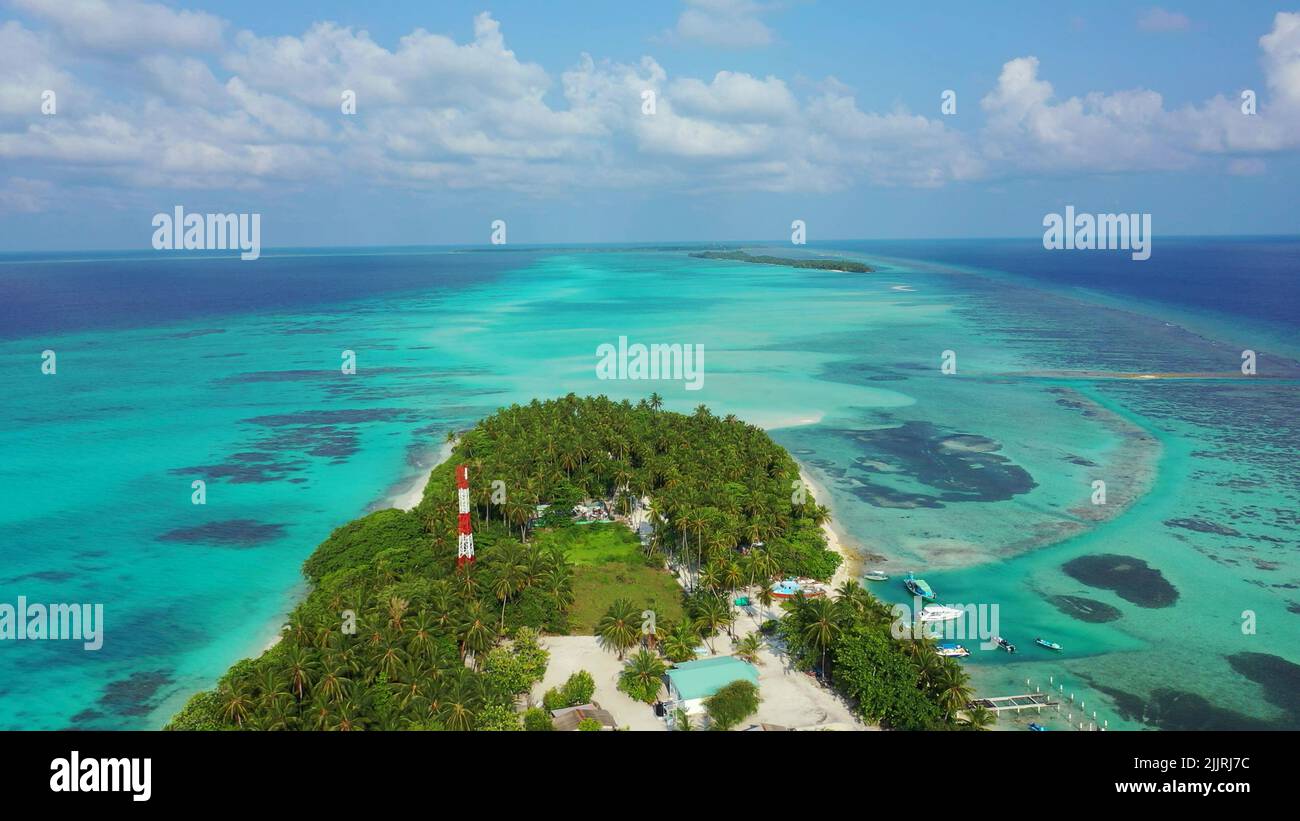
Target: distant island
point(845, 265)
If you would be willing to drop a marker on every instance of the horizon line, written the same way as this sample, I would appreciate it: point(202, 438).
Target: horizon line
point(223, 253)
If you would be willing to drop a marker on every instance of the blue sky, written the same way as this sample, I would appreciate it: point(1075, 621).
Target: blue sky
point(532, 113)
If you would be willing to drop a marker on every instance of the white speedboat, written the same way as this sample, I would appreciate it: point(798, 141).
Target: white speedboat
point(952, 651)
point(939, 612)
point(876, 576)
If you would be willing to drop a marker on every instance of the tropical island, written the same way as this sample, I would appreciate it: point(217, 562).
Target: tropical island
point(847, 266)
point(643, 541)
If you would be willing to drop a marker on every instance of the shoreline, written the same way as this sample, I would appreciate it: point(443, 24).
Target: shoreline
point(851, 565)
point(413, 492)
point(405, 499)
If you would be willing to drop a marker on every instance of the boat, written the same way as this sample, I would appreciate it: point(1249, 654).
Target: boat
point(876, 576)
point(939, 612)
point(1004, 644)
point(1036, 727)
point(954, 651)
point(1050, 645)
point(918, 587)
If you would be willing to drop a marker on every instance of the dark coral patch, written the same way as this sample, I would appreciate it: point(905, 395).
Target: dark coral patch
point(1202, 526)
point(133, 695)
point(1131, 578)
point(918, 464)
point(1279, 678)
point(1085, 609)
point(226, 533)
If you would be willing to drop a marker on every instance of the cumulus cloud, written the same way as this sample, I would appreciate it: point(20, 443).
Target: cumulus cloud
point(122, 25)
point(437, 114)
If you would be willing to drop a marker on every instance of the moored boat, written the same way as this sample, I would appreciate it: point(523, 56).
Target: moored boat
point(1004, 644)
point(939, 612)
point(1036, 727)
point(918, 587)
point(1050, 645)
point(876, 576)
point(949, 650)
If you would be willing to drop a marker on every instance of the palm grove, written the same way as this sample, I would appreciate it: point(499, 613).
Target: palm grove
point(394, 636)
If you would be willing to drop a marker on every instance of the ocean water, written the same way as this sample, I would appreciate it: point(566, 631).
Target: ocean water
point(173, 369)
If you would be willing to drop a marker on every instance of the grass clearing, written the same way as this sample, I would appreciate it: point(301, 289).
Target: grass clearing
point(608, 565)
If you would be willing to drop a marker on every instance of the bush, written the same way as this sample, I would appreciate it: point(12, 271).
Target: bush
point(589, 725)
point(577, 690)
point(496, 717)
point(358, 543)
point(732, 704)
point(537, 720)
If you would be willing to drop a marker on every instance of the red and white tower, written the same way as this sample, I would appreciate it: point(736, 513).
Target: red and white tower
point(465, 539)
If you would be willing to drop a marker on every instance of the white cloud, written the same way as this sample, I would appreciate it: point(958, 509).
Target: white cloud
point(437, 114)
point(123, 25)
point(19, 195)
point(1159, 20)
point(725, 23)
point(27, 71)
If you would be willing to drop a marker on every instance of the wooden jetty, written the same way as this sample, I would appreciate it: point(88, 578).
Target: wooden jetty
point(1027, 701)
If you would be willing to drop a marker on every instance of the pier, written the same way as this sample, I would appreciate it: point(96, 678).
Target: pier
point(1027, 701)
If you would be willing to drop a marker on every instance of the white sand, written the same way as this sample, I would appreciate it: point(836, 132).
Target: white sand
point(851, 567)
point(411, 496)
point(788, 698)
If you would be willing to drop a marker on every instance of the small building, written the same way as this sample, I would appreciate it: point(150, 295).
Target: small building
point(568, 718)
point(691, 682)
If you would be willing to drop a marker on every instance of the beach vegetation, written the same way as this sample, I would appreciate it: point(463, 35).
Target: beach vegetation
point(731, 705)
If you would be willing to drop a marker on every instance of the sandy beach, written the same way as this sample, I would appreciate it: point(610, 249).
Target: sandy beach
point(410, 496)
point(851, 567)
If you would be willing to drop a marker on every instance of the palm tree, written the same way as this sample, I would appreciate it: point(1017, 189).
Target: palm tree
point(620, 627)
point(397, 607)
point(714, 614)
point(643, 674)
point(680, 641)
point(682, 720)
point(300, 667)
point(510, 575)
point(980, 718)
point(821, 628)
point(476, 635)
point(766, 597)
point(236, 700)
point(458, 706)
point(748, 648)
point(270, 684)
point(656, 401)
point(953, 689)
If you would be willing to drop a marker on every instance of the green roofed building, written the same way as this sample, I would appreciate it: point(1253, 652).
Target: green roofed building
point(691, 682)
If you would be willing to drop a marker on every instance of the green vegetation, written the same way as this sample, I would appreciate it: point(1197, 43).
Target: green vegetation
point(596, 587)
point(538, 720)
point(392, 635)
point(577, 690)
point(847, 265)
point(642, 678)
point(731, 705)
point(899, 683)
point(596, 543)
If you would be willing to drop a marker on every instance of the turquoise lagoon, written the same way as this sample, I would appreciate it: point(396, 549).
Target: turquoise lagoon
point(982, 480)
